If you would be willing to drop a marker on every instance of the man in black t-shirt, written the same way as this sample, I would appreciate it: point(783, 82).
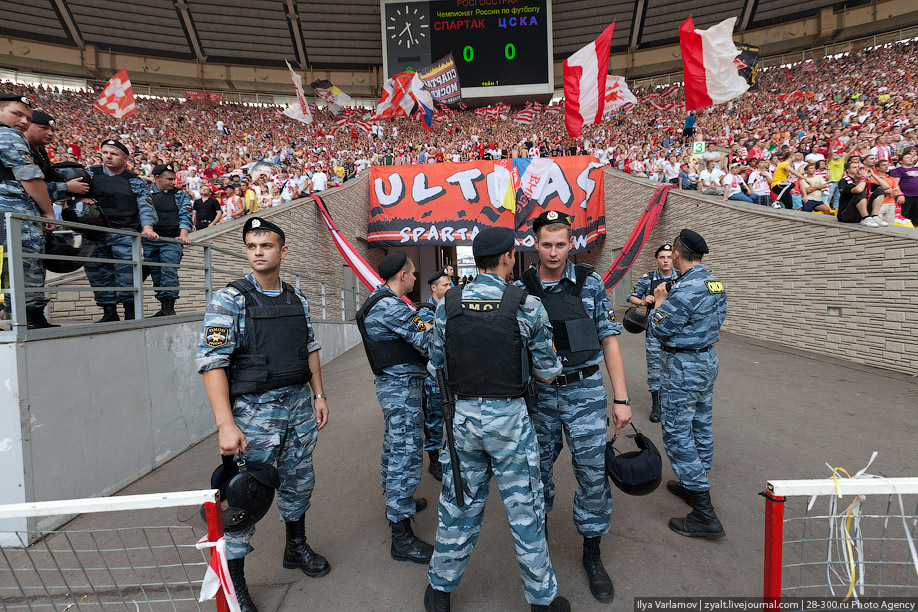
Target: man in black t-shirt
point(861, 198)
point(206, 210)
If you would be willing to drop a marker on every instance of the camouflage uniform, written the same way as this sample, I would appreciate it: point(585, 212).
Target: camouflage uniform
point(689, 318)
point(17, 156)
point(279, 425)
point(398, 389)
point(651, 344)
point(433, 406)
point(579, 410)
point(495, 436)
point(168, 252)
point(118, 246)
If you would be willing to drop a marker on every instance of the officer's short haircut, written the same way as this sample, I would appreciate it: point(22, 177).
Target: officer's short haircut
point(6, 103)
point(553, 227)
point(262, 232)
point(685, 252)
point(490, 262)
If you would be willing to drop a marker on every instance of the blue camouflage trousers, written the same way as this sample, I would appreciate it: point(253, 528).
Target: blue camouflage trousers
point(579, 410)
point(494, 438)
point(652, 346)
point(163, 252)
point(33, 241)
point(111, 246)
point(402, 457)
point(433, 416)
point(686, 405)
point(279, 427)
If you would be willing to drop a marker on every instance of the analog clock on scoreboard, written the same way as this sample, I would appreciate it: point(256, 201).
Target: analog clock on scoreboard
point(500, 47)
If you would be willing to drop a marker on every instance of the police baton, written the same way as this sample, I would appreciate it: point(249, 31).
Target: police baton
point(449, 410)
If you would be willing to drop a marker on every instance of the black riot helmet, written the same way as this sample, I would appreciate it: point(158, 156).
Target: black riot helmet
point(248, 488)
point(67, 171)
point(58, 245)
point(636, 472)
point(84, 212)
point(635, 320)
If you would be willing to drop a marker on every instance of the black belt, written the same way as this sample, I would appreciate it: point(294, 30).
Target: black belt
point(562, 380)
point(674, 349)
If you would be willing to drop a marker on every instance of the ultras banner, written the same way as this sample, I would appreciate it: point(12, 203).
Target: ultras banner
point(448, 204)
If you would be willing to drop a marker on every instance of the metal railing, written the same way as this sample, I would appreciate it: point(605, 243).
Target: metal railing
point(328, 294)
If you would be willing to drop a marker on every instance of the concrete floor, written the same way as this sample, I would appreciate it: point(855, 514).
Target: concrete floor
point(779, 414)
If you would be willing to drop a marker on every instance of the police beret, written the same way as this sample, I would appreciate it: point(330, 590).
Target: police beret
point(115, 143)
point(693, 241)
point(15, 98)
point(257, 223)
point(492, 241)
point(41, 118)
point(157, 170)
point(551, 216)
point(391, 264)
point(665, 247)
point(436, 276)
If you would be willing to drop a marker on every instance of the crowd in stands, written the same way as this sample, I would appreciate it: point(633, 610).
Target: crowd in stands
point(836, 136)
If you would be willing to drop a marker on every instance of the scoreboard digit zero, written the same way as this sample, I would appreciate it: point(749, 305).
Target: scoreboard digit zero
point(502, 48)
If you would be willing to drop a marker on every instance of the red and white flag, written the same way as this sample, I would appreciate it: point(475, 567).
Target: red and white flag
point(665, 100)
point(617, 94)
point(525, 116)
point(709, 64)
point(301, 111)
point(117, 99)
point(585, 83)
point(396, 100)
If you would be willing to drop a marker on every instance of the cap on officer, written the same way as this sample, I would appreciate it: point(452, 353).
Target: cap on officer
point(693, 241)
point(436, 276)
point(665, 247)
point(257, 223)
point(42, 118)
point(392, 264)
point(159, 169)
point(15, 98)
point(493, 241)
point(111, 142)
point(550, 217)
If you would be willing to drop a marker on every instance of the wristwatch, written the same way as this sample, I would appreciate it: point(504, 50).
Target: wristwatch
point(319, 396)
point(624, 402)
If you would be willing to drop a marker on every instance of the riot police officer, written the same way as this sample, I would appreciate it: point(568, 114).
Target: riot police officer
point(439, 283)
point(490, 337)
point(173, 209)
point(395, 339)
point(574, 405)
point(22, 190)
point(642, 295)
point(687, 323)
point(125, 199)
point(260, 362)
point(41, 134)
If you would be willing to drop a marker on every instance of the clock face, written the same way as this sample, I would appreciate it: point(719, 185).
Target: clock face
point(407, 26)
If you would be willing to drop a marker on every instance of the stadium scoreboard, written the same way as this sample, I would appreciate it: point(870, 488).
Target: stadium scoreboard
point(501, 48)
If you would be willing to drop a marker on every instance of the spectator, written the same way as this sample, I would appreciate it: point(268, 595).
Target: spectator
point(858, 202)
point(710, 179)
point(781, 185)
point(812, 188)
point(206, 210)
point(734, 186)
point(759, 181)
point(907, 173)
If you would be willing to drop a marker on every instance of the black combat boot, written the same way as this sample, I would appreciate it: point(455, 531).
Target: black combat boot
point(558, 605)
point(167, 308)
point(655, 408)
point(297, 554)
point(406, 546)
point(600, 583)
point(435, 468)
point(128, 310)
point(237, 573)
point(109, 313)
point(701, 522)
point(36, 319)
point(675, 487)
point(435, 601)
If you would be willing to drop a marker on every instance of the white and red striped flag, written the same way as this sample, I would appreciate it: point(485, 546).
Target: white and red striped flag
point(396, 100)
point(585, 83)
point(709, 64)
point(525, 116)
point(117, 99)
point(300, 112)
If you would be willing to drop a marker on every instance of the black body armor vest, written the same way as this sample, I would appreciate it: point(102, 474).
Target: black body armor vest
point(485, 356)
point(574, 330)
point(274, 351)
point(116, 198)
point(385, 353)
point(167, 211)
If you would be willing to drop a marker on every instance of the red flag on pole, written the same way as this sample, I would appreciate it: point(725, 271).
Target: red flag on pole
point(585, 83)
point(117, 99)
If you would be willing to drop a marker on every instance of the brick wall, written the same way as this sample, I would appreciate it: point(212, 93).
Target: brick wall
point(784, 271)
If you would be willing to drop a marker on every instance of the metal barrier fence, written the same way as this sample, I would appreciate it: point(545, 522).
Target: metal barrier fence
point(329, 295)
